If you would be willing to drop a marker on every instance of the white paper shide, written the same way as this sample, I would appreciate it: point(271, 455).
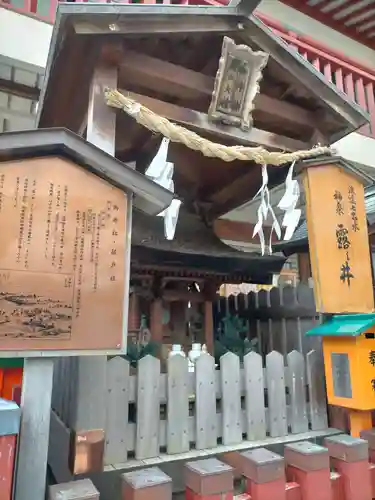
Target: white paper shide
point(161, 172)
point(287, 204)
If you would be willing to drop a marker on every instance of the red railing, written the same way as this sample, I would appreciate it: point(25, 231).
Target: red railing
point(349, 76)
point(357, 81)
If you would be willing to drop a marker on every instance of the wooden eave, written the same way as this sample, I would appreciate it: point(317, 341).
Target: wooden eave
point(195, 251)
point(149, 197)
point(167, 58)
point(352, 18)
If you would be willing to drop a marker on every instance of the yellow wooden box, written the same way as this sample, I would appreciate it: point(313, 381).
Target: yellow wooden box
point(349, 359)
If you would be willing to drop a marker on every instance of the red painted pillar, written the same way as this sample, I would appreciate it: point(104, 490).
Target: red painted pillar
point(208, 479)
point(265, 474)
point(10, 415)
point(349, 456)
point(308, 465)
point(143, 484)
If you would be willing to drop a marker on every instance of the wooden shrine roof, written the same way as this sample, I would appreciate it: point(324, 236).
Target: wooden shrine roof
point(167, 57)
point(196, 251)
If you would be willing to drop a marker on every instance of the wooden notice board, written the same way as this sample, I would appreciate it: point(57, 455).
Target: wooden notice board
point(338, 240)
point(62, 258)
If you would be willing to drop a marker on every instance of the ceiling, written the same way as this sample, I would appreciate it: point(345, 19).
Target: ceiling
point(19, 90)
point(353, 18)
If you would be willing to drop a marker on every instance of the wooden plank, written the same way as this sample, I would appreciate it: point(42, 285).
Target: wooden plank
point(91, 393)
point(58, 449)
point(254, 397)
point(117, 409)
point(72, 382)
point(231, 398)
point(157, 23)
point(34, 432)
point(296, 373)
point(163, 385)
point(178, 407)
point(205, 402)
point(276, 394)
point(101, 120)
point(148, 408)
point(199, 122)
point(317, 390)
point(221, 449)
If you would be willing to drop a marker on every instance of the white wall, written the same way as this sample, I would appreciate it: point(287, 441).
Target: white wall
point(304, 25)
point(24, 39)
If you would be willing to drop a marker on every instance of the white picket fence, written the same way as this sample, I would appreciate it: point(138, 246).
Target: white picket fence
point(152, 413)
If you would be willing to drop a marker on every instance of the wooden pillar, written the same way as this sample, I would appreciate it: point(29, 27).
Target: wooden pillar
point(304, 269)
point(209, 292)
point(156, 320)
point(178, 320)
point(34, 435)
point(87, 451)
point(209, 326)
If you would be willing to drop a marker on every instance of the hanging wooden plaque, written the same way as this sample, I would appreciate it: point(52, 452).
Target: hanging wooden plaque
point(62, 258)
point(338, 240)
point(236, 84)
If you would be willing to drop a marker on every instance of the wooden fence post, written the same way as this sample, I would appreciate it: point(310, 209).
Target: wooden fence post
point(369, 436)
point(350, 458)
point(265, 474)
point(10, 415)
point(75, 490)
point(143, 484)
point(208, 479)
point(308, 465)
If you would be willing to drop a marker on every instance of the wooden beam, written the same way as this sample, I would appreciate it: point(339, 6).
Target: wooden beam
point(199, 122)
point(303, 73)
point(174, 80)
point(19, 89)
point(240, 191)
point(159, 19)
point(238, 231)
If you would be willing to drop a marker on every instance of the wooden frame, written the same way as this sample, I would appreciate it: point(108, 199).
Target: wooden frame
point(249, 66)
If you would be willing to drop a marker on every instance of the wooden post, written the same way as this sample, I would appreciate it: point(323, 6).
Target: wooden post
point(146, 483)
point(34, 436)
point(359, 420)
point(208, 479)
point(210, 295)
point(349, 457)
point(78, 490)
point(156, 321)
point(264, 473)
point(308, 465)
